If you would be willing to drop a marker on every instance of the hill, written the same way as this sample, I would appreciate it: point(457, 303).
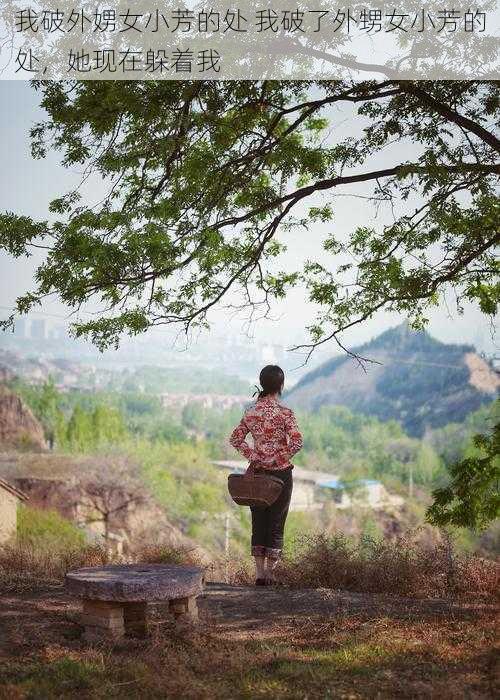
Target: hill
point(417, 381)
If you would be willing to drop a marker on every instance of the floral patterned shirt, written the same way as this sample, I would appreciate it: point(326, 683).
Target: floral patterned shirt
point(276, 436)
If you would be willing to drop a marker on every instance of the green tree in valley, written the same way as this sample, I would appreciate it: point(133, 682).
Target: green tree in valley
point(79, 433)
point(107, 425)
point(88, 429)
point(45, 402)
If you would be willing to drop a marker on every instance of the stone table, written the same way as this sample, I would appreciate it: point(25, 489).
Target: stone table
point(115, 598)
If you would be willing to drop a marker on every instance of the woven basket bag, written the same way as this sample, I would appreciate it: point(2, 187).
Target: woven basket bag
point(259, 490)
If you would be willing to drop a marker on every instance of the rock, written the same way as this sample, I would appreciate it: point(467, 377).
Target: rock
point(18, 426)
point(54, 481)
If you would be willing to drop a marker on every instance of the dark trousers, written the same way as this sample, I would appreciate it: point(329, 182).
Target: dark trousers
point(268, 523)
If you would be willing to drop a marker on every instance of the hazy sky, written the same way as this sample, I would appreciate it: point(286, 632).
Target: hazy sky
point(28, 185)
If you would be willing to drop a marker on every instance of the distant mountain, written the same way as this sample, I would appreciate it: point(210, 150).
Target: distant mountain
point(420, 381)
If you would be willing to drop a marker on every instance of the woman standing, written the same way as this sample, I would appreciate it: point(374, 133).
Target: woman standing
point(276, 438)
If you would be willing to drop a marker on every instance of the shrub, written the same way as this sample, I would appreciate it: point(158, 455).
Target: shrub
point(46, 529)
point(165, 554)
point(402, 567)
point(25, 567)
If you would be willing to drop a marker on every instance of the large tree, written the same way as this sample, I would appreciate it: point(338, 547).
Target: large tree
point(201, 179)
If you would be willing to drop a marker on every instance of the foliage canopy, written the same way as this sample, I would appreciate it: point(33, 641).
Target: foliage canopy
point(472, 498)
point(204, 179)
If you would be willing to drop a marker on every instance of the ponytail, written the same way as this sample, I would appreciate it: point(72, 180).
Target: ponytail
point(271, 380)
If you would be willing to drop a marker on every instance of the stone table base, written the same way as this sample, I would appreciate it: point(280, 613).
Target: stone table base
point(103, 620)
point(184, 609)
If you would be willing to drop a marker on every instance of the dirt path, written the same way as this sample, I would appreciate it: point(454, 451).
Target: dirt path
point(238, 609)
point(32, 619)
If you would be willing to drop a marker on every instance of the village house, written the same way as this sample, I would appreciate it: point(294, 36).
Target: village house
point(312, 489)
point(10, 497)
point(218, 401)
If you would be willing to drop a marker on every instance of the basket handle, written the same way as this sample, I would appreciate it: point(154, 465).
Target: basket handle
point(250, 469)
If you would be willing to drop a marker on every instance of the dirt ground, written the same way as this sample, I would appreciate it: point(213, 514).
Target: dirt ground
point(305, 643)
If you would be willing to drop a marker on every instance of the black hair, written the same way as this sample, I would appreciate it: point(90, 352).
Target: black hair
point(271, 379)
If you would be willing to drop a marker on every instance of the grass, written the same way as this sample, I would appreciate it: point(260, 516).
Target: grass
point(353, 657)
point(62, 676)
point(377, 658)
point(47, 546)
point(403, 567)
point(30, 567)
point(47, 529)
